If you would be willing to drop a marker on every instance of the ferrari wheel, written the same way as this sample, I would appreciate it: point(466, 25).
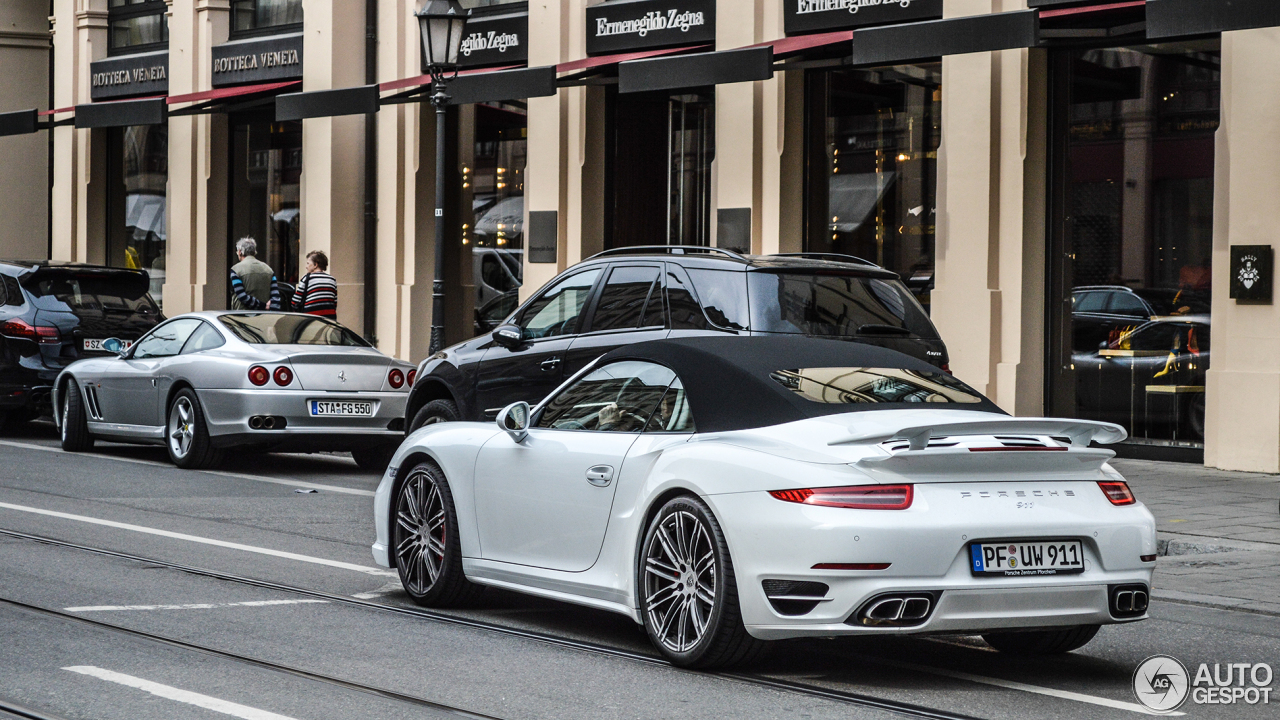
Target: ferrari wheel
point(187, 435)
point(75, 426)
point(1042, 642)
point(425, 540)
point(688, 593)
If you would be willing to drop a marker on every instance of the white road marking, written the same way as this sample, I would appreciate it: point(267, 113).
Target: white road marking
point(1024, 687)
point(206, 541)
point(193, 606)
point(256, 478)
point(167, 692)
point(384, 590)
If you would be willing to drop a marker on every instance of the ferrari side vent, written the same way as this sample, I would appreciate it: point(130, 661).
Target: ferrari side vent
point(794, 597)
point(91, 402)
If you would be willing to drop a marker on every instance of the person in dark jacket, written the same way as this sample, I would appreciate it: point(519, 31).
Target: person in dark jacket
point(317, 292)
point(253, 282)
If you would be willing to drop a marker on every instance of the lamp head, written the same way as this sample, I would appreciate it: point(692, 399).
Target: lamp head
point(442, 23)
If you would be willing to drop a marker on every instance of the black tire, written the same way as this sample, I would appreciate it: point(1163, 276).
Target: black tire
point(681, 590)
point(187, 435)
point(422, 498)
point(1042, 642)
point(434, 412)
point(75, 425)
point(374, 459)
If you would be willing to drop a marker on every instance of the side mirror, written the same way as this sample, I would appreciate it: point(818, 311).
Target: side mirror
point(114, 345)
point(514, 420)
point(508, 335)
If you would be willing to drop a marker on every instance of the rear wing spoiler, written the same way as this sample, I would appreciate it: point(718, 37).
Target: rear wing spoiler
point(1080, 432)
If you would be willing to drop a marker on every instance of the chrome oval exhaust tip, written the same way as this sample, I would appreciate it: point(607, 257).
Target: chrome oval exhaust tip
point(255, 422)
point(268, 423)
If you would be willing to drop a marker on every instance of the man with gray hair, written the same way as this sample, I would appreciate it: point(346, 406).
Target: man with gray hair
point(253, 282)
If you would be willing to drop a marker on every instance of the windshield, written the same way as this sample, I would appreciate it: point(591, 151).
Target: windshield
point(64, 291)
point(847, 385)
point(282, 329)
point(833, 304)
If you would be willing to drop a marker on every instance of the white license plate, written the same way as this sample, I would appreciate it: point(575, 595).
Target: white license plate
point(96, 344)
point(1018, 559)
point(340, 408)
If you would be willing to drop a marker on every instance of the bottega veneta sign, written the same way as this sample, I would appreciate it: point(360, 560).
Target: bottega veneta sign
point(258, 60)
point(129, 76)
point(495, 39)
point(813, 15)
point(639, 24)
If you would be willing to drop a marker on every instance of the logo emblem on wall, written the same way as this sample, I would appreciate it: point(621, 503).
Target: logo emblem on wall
point(1161, 683)
point(1252, 268)
point(1249, 274)
point(492, 40)
point(805, 7)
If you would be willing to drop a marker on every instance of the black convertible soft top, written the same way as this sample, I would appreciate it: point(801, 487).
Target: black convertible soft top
point(727, 378)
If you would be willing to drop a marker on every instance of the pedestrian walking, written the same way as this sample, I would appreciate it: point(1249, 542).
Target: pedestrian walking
point(253, 282)
point(317, 292)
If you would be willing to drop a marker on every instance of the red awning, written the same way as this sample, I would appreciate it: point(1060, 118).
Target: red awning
point(426, 79)
point(806, 42)
point(593, 62)
point(1047, 14)
point(44, 113)
point(221, 93)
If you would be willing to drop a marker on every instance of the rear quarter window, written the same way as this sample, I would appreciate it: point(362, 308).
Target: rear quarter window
point(723, 295)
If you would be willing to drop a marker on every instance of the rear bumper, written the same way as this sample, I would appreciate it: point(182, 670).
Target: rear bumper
point(227, 413)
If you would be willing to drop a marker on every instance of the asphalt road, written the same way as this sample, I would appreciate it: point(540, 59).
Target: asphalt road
point(92, 635)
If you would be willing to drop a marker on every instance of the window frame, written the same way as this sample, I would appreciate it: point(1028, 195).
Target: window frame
point(129, 12)
point(589, 314)
point(538, 413)
point(264, 31)
point(133, 350)
point(518, 317)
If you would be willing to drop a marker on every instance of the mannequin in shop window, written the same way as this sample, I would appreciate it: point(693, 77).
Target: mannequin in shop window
point(253, 282)
point(317, 292)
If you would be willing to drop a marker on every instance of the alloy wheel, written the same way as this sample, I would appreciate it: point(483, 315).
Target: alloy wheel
point(420, 532)
point(181, 430)
point(680, 581)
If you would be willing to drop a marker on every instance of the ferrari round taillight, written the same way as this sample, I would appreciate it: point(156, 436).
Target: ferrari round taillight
point(413, 375)
point(396, 378)
point(860, 497)
point(258, 375)
point(1117, 492)
point(282, 375)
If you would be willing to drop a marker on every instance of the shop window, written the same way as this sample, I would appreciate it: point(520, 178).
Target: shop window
point(871, 182)
point(492, 205)
point(266, 174)
point(138, 168)
point(1132, 217)
point(137, 25)
point(248, 16)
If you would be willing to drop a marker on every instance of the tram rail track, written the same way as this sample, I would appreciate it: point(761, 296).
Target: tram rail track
point(858, 699)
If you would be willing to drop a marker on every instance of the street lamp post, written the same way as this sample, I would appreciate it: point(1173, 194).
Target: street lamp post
point(442, 23)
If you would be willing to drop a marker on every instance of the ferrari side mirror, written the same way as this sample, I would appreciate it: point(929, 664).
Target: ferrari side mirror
point(514, 420)
point(114, 345)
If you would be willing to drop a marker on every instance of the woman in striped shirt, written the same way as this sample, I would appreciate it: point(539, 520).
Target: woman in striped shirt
point(317, 292)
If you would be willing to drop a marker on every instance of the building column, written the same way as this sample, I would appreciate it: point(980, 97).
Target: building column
point(332, 216)
point(1242, 425)
point(782, 161)
point(737, 173)
point(989, 299)
point(196, 252)
point(553, 26)
point(79, 225)
point(24, 83)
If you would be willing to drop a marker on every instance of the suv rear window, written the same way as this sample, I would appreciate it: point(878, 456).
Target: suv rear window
point(63, 291)
point(833, 304)
point(281, 329)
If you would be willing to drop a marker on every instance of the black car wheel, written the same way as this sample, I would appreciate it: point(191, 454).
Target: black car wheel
point(424, 539)
point(688, 592)
point(436, 411)
point(1042, 642)
point(374, 459)
point(75, 425)
point(187, 435)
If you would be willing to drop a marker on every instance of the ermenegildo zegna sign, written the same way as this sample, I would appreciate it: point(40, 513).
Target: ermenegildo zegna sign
point(498, 39)
point(256, 60)
point(129, 76)
point(641, 24)
point(813, 15)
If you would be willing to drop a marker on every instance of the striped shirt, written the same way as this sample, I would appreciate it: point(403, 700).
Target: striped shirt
point(317, 294)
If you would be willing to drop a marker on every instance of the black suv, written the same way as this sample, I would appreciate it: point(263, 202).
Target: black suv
point(52, 314)
point(630, 295)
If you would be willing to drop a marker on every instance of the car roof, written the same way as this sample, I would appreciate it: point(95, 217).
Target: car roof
point(727, 378)
point(722, 259)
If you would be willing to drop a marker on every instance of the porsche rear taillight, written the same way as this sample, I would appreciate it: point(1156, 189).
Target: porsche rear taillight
point(413, 375)
point(858, 497)
point(1117, 492)
point(43, 334)
point(259, 375)
point(396, 378)
point(283, 376)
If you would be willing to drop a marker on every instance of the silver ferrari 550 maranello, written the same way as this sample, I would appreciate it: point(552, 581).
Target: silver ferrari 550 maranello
point(204, 382)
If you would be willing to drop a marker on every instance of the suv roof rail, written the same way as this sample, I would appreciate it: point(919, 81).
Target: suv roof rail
point(828, 256)
point(669, 249)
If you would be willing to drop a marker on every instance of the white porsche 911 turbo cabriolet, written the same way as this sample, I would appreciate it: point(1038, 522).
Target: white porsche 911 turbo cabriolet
point(727, 491)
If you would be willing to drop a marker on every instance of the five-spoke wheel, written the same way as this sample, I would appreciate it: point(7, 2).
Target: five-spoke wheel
point(187, 435)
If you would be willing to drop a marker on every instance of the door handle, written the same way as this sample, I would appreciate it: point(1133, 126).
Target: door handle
point(600, 475)
point(550, 363)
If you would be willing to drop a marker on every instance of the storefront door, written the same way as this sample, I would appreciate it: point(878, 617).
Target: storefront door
point(138, 171)
point(265, 191)
point(1132, 233)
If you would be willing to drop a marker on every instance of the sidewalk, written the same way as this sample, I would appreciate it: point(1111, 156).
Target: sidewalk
point(1219, 533)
